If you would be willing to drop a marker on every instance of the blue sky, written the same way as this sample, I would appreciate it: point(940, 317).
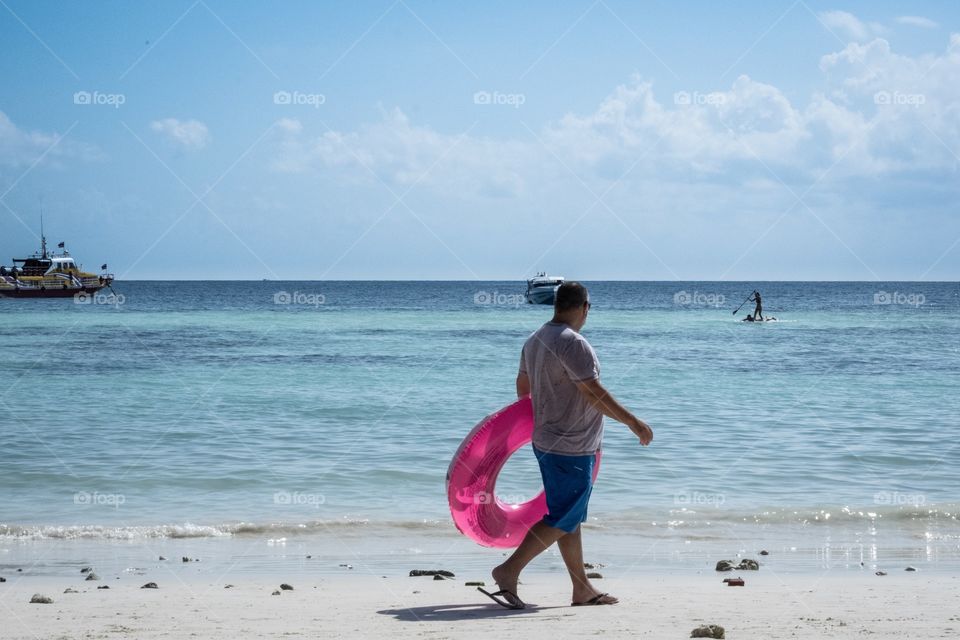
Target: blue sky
point(394, 140)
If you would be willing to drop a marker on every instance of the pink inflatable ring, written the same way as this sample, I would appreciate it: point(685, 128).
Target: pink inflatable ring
point(472, 479)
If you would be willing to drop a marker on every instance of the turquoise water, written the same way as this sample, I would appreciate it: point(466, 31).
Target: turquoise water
point(209, 408)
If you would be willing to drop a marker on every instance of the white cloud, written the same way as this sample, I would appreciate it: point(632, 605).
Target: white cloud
point(850, 26)
point(918, 21)
point(700, 130)
point(877, 113)
point(291, 125)
point(189, 134)
point(400, 154)
point(20, 147)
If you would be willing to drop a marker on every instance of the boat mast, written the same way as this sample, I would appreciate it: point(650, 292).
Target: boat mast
point(43, 238)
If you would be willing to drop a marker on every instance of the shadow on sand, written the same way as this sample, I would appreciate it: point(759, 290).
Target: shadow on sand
point(452, 612)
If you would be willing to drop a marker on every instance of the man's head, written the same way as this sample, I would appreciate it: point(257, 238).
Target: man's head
point(571, 305)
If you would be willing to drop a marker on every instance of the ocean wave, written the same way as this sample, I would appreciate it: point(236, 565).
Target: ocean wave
point(343, 526)
point(693, 521)
point(687, 517)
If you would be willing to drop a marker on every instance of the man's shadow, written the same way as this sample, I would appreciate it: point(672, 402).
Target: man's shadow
point(453, 612)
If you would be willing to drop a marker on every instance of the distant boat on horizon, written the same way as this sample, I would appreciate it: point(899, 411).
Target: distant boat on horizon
point(542, 289)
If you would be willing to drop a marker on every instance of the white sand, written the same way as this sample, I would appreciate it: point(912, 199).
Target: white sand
point(900, 605)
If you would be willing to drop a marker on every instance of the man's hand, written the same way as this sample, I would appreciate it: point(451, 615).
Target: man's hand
point(642, 431)
point(598, 396)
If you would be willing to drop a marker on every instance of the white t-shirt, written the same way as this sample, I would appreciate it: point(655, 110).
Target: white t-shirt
point(555, 358)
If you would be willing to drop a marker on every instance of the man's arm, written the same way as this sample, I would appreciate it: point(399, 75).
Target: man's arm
point(523, 385)
point(598, 396)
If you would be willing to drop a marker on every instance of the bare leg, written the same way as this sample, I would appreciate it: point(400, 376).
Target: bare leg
point(538, 539)
point(571, 548)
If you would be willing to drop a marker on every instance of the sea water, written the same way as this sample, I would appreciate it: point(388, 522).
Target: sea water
point(275, 411)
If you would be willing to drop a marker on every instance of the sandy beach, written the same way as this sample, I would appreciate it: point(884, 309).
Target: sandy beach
point(898, 605)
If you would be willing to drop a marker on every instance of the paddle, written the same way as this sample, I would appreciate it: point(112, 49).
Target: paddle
point(742, 303)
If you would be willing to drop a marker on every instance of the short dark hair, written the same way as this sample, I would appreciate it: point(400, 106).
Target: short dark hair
point(570, 295)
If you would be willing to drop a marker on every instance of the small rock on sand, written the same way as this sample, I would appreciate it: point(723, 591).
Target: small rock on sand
point(276, 593)
point(587, 565)
point(431, 572)
point(162, 558)
point(910, 569)
point(764, 553)
point(594, 575)
point(41, 599)
point(228, 586)
point(104, 586)
point(881, 573)
point(69, 590)
point(92, 576)
point(725, 565)
point(149, 585)
point(86, 570)
point(476, 583)
point(708, 631)
point(286, 587)
point(748, 565)
point(438, 577)
point(2, 579)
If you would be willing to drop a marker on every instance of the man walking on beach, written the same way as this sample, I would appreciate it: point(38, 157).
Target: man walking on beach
point(560, 371)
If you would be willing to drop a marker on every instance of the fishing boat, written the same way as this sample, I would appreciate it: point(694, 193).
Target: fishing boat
point(50, 275)
point(542, 289)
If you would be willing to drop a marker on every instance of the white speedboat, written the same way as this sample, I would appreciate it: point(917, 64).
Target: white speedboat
point(542, 289)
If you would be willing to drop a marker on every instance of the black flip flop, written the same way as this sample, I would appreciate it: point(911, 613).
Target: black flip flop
point(506, 604)
point(592, 602)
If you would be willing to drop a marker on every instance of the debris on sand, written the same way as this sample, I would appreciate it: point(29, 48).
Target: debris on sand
point(708, 631)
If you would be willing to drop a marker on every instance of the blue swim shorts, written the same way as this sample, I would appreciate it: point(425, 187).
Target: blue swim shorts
point(568, 482)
